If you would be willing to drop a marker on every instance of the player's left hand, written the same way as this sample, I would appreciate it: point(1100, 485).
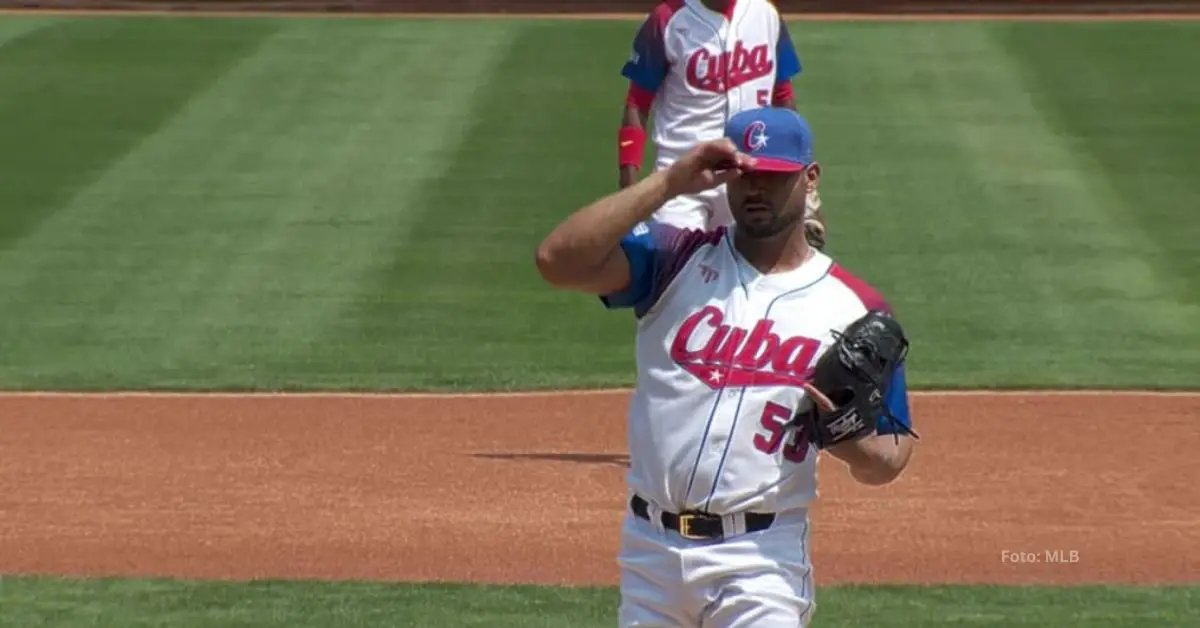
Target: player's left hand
point(706, 166)
point(850, 381)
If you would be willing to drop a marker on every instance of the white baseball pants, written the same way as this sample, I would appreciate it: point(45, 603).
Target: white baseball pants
point(761, 580)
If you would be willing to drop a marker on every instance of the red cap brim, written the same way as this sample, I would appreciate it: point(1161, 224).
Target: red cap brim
point(770, 164)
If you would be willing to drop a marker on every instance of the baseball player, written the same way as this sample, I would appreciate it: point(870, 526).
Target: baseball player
point(694, 64)
point(755, 353)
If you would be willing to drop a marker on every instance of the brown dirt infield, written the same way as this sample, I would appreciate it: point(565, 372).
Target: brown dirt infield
point(529, 488)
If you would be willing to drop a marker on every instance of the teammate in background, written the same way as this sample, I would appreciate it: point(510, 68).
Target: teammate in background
point(694, 64)
point(729, 323)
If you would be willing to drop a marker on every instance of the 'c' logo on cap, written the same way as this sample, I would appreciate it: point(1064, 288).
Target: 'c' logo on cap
point(755, 136)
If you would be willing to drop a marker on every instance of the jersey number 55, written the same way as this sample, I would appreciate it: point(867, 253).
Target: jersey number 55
point(774, 420)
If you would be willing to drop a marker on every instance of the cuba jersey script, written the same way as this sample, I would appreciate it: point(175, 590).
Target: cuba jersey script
point(705, 67)
point(722, 353)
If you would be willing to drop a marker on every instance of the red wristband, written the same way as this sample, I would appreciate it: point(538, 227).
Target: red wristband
point(631, 142)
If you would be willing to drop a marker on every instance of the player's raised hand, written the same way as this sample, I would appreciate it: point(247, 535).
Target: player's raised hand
point(706, 166)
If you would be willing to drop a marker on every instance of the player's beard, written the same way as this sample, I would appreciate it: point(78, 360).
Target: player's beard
point(764, 227)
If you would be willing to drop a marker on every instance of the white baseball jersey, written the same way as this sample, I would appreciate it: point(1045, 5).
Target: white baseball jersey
point(704, 67)
point(722, 351)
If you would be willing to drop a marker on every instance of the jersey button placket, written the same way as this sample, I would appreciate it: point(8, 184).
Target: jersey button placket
point(728, 37)
point(732, 406)
point(712, 446)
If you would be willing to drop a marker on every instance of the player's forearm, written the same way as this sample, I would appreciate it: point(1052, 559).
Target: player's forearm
point(588, 237)
point(634, 116)
point(878, 459)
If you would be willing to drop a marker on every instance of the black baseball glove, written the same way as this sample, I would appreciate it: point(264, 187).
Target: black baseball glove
point(850, 381)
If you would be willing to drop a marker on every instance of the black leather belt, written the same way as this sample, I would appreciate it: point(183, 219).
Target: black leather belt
point(699, 526)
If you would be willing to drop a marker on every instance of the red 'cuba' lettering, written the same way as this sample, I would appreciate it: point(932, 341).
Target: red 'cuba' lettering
point(733, 356)
point(727, 70)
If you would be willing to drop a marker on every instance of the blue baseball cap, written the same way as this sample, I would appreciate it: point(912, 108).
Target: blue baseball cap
point(778, 138)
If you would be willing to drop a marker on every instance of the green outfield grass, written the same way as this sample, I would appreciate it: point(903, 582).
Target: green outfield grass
point(140, 604)
point(257, 203)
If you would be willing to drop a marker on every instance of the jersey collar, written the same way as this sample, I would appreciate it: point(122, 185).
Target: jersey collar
point(811, 271)
point(728, 14)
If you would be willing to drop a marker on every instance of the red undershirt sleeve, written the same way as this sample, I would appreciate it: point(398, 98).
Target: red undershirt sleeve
point(639, 97)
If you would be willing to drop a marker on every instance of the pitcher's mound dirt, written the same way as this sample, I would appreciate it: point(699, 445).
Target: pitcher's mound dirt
point(530, 489)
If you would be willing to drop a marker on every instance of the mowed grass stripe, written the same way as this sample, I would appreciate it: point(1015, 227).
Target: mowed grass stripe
point(102, 603)
point(994, 238)
point(210, 256)
point(1104, 308)
point(79, 94)
point(461, 305)
point(11, 29)
point(1142, 141)
point(387, 117)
